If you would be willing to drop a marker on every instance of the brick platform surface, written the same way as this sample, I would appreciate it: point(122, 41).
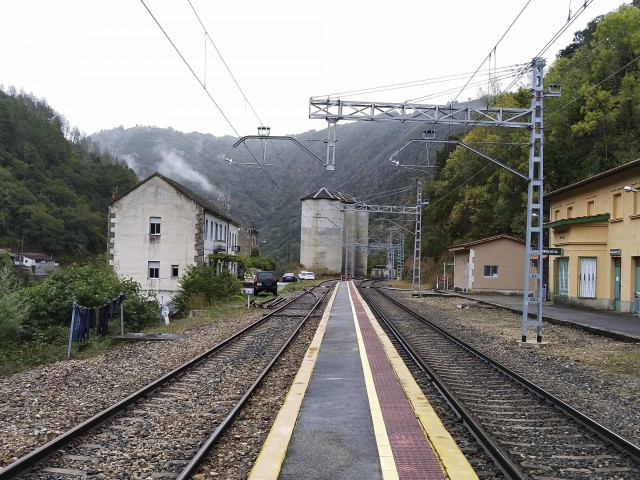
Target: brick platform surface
point(412, 452)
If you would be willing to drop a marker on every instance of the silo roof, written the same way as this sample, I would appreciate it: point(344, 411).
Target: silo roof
point(328, 194)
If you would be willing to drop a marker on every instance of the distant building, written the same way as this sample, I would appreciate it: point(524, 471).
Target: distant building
point(331, 237)
point(380, 271)
point(490, 265)
point(595, 225)
point(247, 240)
point(159, 228)
point(36, 263)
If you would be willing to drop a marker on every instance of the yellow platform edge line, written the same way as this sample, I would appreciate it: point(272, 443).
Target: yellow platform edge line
point(452, 460)
point(387, 462)
point(274, 449)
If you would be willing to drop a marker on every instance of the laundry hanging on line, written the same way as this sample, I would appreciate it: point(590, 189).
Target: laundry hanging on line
point(83, 319)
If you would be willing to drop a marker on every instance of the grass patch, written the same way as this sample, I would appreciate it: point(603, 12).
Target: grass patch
point(623, 363)
point(17, 358)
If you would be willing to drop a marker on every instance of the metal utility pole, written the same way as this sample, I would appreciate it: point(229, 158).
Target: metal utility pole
point(400, 268)
point(333, 110)
point(534, 205)
point(417, 244)
point(346, 253)
point(390, 259)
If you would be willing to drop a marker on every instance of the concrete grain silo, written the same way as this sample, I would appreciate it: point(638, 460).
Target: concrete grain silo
point(325, 229)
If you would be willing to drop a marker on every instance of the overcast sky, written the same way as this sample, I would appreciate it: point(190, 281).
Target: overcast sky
point(105, 63)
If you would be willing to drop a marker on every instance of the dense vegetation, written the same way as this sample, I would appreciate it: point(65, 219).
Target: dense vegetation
point(592, 127)
point(54, 184)
point(35, 320)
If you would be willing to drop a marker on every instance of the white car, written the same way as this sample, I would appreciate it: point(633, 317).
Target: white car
point(307, 276)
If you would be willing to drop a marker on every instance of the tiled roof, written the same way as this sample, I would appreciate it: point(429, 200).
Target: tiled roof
point(463, 246)
point(36, 256)
point(606, 173)
point(327, 194)
point(197, 198)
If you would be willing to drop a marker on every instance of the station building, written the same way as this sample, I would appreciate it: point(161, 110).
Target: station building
point(596, 224)
point(332, 237)
point(490, 265)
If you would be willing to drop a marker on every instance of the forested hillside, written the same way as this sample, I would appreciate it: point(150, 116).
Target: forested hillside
point(54, 187)
point(592, 127)
point(268, 198)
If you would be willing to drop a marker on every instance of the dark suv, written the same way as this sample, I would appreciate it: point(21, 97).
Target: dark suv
point(265, 282)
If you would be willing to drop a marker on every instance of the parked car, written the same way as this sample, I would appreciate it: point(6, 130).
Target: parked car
point(289, 277)
point(265, 281)
point(307, 276)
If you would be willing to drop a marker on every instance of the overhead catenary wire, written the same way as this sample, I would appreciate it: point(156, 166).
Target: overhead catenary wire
point(414, 83)
point(541, 52)
point(488, 57)
point(206, 33)
point(190, 69)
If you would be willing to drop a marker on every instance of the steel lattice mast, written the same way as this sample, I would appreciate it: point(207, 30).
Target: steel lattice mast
point(334, 110)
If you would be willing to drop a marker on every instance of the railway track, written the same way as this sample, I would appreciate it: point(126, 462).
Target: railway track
point(528, 432)
point(167, 428)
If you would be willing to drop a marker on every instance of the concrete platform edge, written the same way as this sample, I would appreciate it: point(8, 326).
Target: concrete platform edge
point(623, 337)
point(387, 463)
point(274, 450)
point(452, 460)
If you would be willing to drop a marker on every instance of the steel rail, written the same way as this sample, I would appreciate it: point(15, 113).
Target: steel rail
point(499, 456)
point(202, 453)
point(36, 456)
point(619, 442)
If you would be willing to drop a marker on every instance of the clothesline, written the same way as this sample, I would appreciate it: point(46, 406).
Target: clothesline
point(83, 319)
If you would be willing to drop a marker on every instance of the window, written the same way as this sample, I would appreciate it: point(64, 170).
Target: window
point(562, 276)
point(154, 269)
point(570, 212)
point(154, 226)
point(588, 268)
point(206, 229)
point(490, 270)
point(556, 214)
point(617, 205)
point(591, 207)
point(174, 271)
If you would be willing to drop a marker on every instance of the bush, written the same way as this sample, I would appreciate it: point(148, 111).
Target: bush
point(13, 310)
point(202, 285)
point(90, 285)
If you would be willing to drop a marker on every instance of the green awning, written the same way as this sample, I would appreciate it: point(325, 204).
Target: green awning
point(570, 221)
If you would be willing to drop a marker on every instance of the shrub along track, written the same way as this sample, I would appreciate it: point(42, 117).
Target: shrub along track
point(167, 427)
point(527, 431)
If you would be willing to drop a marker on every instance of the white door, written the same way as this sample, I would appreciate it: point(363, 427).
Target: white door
point(588, 277)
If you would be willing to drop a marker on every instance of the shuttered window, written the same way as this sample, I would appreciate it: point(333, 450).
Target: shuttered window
point(562, 272)
point(588, 277)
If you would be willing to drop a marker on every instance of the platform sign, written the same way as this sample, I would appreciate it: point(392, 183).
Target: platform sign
point(552, 251)
point(248, 291)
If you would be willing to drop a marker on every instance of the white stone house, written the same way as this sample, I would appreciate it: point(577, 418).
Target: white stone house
point(36, 263)
point(160, 227)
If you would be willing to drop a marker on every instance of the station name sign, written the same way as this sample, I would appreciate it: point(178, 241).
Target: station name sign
point(615, 252)
point(552, 251)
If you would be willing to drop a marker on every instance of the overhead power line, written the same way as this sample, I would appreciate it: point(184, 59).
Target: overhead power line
point(224, 62)
point(190, 69)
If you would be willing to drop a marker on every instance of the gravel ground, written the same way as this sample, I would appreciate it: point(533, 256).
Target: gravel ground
point(597, 375)
point(578, 367)
point(38, 404)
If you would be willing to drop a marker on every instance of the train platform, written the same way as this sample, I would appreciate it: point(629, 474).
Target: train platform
point(354, 410)
point(617, 325)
